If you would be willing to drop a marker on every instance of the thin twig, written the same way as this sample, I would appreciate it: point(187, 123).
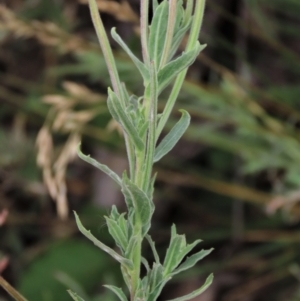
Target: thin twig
point(10, 290)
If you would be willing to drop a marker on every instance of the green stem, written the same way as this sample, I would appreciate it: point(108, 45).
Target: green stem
point(151, 139)
point(130, 156)
point(169, 33)
point(188, 10)
point(113, 72)
point(137, 258)
point(106, 49)
point(144, 30)
point(193, 37)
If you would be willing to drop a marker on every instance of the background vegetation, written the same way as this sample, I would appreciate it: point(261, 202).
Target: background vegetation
point(233, 181)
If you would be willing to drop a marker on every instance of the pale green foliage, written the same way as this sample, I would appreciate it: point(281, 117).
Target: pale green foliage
point(142, 126)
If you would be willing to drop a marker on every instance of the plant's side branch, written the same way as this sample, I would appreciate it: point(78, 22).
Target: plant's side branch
point(113, 72)
point(193, 38)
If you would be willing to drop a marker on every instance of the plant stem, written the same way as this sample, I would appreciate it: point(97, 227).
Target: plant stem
point(151, 141)
point(169, 33)
point(106, 49)
point(113, 72)
point(144, 30)
point(193, 37)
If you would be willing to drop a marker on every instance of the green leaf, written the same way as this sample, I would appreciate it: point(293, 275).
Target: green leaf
point(146, 264)
point(154, 5)
point(75, 296)
point(158, 31)
point(142, 68)
point(118, 291)
point(156, 276)
point(176, 252)
point(151, 187)
point(100, 166)
point(143, 127)
point(191, 261)
point(171, 260)
point(126, 276)
point(114, 214)
point(152, 245)
point(131, 246)
point(143, 206)
point(179, 16)
point(173, 68)
point(156, 292)
point(173, 136)
point(143, 289)
point(117, 233)
point(127, 263)
point(120, 115)
point(196, 292)
point(178, 36)
point(123, 224)
point(113, 111)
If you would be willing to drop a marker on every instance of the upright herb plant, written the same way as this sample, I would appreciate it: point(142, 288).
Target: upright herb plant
point(142, 125)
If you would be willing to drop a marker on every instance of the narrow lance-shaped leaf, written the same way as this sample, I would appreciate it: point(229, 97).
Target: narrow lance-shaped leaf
point(146, 264)
point(118, 291)
point(171, 261)
point(156, 292)
point(187, 248)
point(173, 136)
point(127, 263)
point(143, 205)
point(123, 119)
point(117, 233)
point(172, 69)
point(191, 261)
point(142, 68)
point(131, 246)
point(100, 166)
point(112, 111)
point(114, 213)
point(152, 245)
point(178, 36)
point(156, 276)
point(154, 5)
point(122, 222)
point(179, 16)
point(75, 296)
point(158, 31)
point(197, 292)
